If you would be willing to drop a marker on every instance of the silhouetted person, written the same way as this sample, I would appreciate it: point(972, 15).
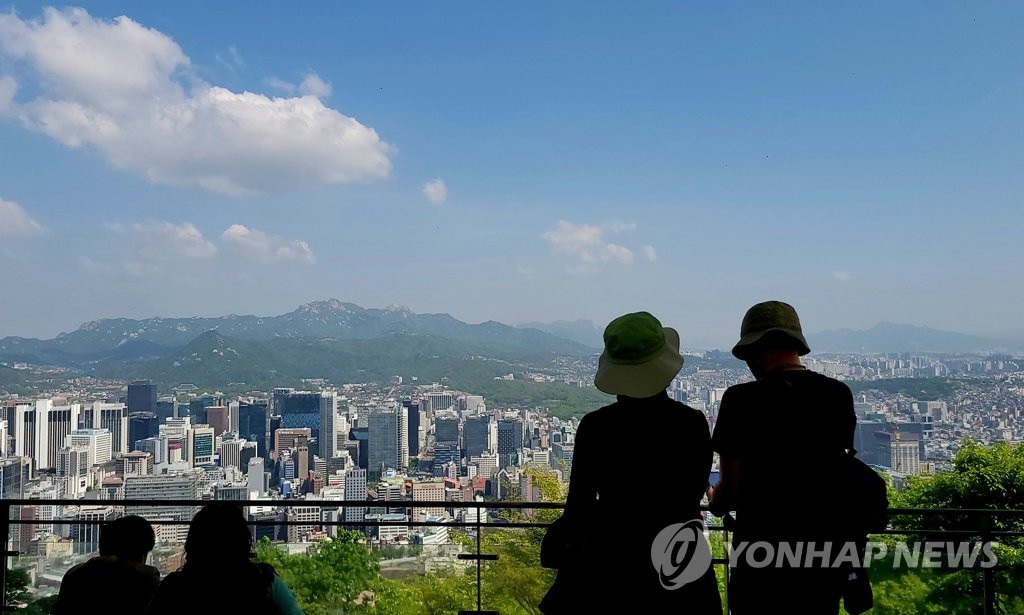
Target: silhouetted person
point(604, 544)
point(779, 439)
point(117, 580)
point(218, 574)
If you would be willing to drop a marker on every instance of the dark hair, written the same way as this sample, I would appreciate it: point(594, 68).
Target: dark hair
point(218, 536)
point(130, 537)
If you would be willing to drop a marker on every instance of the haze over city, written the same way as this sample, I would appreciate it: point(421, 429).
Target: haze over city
point(479, 162)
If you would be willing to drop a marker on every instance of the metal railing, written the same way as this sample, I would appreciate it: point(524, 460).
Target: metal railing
point(985, 530)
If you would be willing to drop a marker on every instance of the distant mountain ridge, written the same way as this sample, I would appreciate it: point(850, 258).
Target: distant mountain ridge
point(103, 341)
point(887, 337)
point(584, 331)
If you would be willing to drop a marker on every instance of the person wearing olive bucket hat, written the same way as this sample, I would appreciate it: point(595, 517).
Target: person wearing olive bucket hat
point(789, 423)
point(645, 428)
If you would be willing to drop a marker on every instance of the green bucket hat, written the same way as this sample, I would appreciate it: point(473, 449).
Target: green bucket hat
point(640, 356)
point(769, 317)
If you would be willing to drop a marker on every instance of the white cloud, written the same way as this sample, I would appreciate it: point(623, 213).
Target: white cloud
point(281, 84)
point(8, 88)
point(123, 89)
point(589, 243)
point(650, 253)
point(266, 248)
point(841, 276)
point(313, 85)
point(15, 221)
point(158, 240)
point(435, 191)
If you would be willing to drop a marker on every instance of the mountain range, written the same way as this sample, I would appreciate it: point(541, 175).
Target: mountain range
point(344, 342)
point(323, 339)
point(887, 337)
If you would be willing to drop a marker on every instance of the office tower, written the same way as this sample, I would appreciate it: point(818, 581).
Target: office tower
point(305, 518)
point(428, 491)
point(446, 429)
point(3, 438)
point(256, 477)
point(510, 441)
point(217, 418)
point(355, 490)
point(298, 409)
point(253, 422)
point(141, 396)
point(96, 441)
point(383, 441)
point(444, 453)
point(167, 408)
point(85, 528)
point(288, 439)
point(201, 441)
point(359, 447)
point(137, 463)
point(14, 475)
point(402, 418)
point(473, 404)
point(438, 400)
point(156, 447)
point(53, 425)
point(142, 425)
point(114, 418)
point(412, 411)
point(476, 436)
point(25, 431)
point(301, 458)
point(197, 407)
point(328, 440)
point(231, 453)
point(164, 487)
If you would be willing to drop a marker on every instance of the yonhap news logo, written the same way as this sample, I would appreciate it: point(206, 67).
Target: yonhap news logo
point(681, 553)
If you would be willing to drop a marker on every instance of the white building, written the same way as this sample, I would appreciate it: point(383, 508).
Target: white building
point(98, 441)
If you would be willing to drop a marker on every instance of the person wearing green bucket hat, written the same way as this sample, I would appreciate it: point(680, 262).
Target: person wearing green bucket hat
point(788, 422)
point(635, 573)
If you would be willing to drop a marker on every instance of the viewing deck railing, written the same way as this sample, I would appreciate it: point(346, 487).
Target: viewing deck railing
point(979, 526)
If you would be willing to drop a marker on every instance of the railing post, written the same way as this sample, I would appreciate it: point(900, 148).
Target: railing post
point(988, 574)
point(5, 527)
point(479, 557)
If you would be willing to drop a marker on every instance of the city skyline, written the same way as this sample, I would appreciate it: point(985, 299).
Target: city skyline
point(480, 162)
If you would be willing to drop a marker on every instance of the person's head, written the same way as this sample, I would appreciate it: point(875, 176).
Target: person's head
point(130, 538)
point(770, 335)
point(640, 358)
point(218, 534)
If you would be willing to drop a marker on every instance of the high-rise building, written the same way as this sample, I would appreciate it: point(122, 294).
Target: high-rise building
point(253, 422)
point(412, 411)
point(114, 418)
point(328, 434)
point(355, 490)
point(428, 491)
point(142, 425)
point(53, 425)
point(14, 476)
point(298, 409)
point(476, 436)
point(217, 418)
point(85, 530)
point(201, 440)
point(437, 400)
point(25, 432)
point(141, 396)
point(256, 477)
point(137, 463)
point(383, 441)
point(446, 429)
point(96, 441)
point(163, 487)
point(510, 441)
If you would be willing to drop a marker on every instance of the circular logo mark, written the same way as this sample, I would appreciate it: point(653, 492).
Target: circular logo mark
point(681, 554)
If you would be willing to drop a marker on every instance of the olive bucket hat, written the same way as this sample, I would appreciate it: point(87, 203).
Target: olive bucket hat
point(769, 317)
point(640, 356)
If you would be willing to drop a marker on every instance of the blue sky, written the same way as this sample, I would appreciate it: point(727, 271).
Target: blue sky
point(863, 162)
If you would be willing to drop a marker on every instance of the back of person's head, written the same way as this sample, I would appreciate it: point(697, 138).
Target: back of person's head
point(218, 535)
point(130, 537)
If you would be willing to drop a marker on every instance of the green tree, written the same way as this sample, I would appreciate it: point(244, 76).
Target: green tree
point(16, 586)
point(331, 579)
point(982, 477)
